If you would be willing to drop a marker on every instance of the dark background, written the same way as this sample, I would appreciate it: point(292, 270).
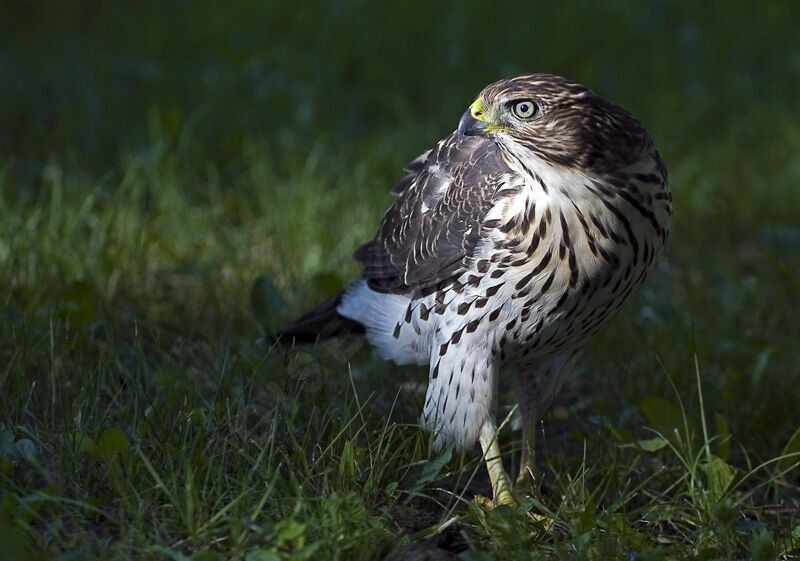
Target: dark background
point(85, 81)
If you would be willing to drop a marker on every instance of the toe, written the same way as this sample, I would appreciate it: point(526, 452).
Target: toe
point(484, 503)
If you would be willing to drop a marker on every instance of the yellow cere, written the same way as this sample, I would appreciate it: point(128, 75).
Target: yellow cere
point(477, 109)
point(485, 114)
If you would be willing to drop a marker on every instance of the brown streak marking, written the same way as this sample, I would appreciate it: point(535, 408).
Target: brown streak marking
point(548, 282)
point(536, 270)
point(492, 290)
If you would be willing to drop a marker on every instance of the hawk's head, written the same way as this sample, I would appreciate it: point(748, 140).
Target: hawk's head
point(558, 120)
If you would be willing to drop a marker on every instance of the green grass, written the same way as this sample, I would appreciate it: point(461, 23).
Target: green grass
point(169, 193)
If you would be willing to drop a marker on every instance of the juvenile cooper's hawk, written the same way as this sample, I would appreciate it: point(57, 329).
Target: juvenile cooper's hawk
point(511, 243)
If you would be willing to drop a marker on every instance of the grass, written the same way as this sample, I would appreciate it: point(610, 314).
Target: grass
point(169, 193)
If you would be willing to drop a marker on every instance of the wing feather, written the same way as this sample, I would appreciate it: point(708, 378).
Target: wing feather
point(431, 231)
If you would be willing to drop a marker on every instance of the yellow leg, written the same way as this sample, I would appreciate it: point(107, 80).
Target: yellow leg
point(501, 483)
point(528, 481)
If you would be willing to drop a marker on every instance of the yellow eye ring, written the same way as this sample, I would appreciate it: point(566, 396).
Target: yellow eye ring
point(524, 109)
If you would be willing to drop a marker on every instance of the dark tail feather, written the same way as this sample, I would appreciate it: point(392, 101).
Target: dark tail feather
point(323, 322)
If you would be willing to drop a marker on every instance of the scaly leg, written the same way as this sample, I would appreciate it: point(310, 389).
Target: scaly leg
point(501, 483)
point(528, 481)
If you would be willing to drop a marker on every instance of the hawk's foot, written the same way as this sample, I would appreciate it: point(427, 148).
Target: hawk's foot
point(512, 500)
point(504, 497)
point(501, 483)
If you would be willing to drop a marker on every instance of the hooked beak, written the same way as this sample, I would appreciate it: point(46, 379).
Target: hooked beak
point(469, 125)
point(472, 123)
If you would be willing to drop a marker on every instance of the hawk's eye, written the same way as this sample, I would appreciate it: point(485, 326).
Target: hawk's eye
point(524, 109)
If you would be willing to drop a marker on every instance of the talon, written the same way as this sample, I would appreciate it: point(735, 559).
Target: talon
point(506, 497)
point(546, 522)
point(484, 503)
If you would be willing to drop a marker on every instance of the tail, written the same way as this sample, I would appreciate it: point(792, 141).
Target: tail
point(323, 322)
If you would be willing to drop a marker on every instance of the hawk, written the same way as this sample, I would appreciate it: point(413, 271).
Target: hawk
point(511, 242)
